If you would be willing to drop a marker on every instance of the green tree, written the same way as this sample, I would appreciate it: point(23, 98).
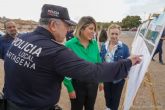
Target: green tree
point(131, 21)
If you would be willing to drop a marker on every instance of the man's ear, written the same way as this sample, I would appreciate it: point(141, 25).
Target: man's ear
point(52, 26)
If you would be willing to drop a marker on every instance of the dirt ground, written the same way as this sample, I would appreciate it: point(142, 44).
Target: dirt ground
point(150, 96)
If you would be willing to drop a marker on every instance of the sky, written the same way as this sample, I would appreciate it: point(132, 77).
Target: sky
point(101, 10)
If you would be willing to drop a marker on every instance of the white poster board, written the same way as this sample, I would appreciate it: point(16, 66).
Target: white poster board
point(145, 43)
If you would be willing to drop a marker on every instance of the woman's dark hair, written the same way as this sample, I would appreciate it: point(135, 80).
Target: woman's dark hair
point(103, 36)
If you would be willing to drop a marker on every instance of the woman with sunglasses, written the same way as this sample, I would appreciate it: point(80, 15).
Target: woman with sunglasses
point(113, 50)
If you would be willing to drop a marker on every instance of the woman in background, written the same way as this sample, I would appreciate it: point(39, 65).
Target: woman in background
point(102, 37)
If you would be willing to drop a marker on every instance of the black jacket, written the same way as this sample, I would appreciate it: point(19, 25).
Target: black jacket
point(5, 43)
point(35, 66)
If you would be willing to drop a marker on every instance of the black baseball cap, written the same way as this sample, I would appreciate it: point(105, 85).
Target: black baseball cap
point(58, 12)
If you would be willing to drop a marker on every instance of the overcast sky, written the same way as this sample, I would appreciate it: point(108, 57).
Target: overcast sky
point(101, 10)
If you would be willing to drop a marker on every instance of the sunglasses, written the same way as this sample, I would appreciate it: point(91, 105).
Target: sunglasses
point(115, 34)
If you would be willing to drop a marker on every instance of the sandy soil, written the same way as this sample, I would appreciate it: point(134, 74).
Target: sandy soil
point(150, 96)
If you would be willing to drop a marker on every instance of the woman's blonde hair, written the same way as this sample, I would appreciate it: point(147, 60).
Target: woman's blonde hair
point(83, 23)
point(114, 26)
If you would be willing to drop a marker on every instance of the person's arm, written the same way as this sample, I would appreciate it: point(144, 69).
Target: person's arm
point(101, 85)
point(127, 53)
point(163, 38)
point(68, 84)
point(70, 65)
point(99, 57)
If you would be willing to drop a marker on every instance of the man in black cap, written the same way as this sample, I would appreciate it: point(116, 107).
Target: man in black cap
point(37, 62)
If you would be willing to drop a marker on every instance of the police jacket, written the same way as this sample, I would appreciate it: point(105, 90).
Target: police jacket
point(36, 64)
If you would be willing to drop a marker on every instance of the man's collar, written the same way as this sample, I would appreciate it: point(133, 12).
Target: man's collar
point(44, 32)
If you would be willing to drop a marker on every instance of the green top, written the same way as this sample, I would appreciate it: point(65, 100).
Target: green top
point(91, 54)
